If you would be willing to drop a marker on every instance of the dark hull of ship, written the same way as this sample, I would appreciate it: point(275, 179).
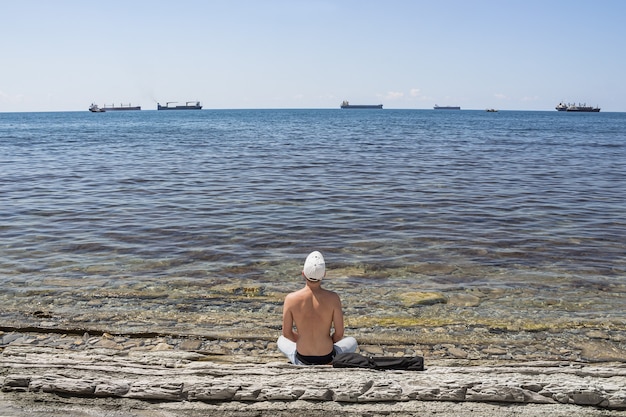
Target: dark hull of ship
point(193, 107)
point(447, 108)
point(577, 109)
point(583, 109)
point(121, 108)
point(361, 106)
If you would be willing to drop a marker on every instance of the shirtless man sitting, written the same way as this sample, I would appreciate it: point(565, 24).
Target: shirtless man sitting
point(309, 315)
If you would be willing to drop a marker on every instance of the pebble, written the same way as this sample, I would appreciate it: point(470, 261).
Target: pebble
point(108, 344)
point(495, 351)
point(162, 346)
point(457, 353)
point(190, 345)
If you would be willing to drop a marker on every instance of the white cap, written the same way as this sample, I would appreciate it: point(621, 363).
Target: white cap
point(314, 267)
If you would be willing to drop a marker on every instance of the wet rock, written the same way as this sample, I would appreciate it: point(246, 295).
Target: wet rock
point(600, 350)
point(412, 299)
point(597, 334)
point(464, 300)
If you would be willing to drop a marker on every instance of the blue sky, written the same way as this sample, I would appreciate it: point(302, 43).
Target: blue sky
point(409, 54)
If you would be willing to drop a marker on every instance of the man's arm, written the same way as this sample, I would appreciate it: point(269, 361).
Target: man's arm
point(338, 321)
point(288, 331)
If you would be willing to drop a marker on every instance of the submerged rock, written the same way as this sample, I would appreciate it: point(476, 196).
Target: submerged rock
point(412, 299)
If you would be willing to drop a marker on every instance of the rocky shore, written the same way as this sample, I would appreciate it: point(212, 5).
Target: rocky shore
point(93, 375)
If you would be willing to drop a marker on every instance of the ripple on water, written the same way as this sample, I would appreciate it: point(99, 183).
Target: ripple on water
point(200, 222)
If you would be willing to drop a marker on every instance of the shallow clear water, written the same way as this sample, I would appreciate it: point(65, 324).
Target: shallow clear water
point(532, 203)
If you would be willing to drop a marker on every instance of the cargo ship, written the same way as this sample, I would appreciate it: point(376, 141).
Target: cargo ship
point(347, 105)
point(94, 108)
point(577, 108)
point(187, 106)
point(447, 107)
point(113, 107)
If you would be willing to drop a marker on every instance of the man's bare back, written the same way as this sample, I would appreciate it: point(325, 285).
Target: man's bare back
point(313, 311)
point(309, 317)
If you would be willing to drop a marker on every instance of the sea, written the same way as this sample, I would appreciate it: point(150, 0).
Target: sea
point(192, 220)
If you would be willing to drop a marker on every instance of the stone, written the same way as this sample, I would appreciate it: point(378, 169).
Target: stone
point(496, 394)
point(464, 300)
point(155, 390)
point(495, 351)
point(190, 345)
point(111, 389)
point(601, 350)
point(412, 299)
point(457, 353)
point(382, 391)
point(162, 346)
point(59, 385)
point(588, 397)
point(372, 349)
point(317, 394)
point(10, 338)
point(16, 381)
point(617, 400)
point(231, 345)
point(108, 344)
point(211, 392)
point(597, 334)
point(280, 394)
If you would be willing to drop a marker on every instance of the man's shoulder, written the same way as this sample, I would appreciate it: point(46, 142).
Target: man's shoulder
point(305, 292)
point(295, 294)
point(330, 295)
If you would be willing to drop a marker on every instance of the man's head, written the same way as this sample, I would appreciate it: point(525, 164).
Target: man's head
point(314, 267)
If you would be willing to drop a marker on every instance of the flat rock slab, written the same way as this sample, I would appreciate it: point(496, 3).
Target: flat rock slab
point(187, 379)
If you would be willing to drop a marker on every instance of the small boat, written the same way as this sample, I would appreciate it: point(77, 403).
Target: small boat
point(95, 109)
point(447, 107)
point(346, 105)
point(194, 106)
point(491, 111)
